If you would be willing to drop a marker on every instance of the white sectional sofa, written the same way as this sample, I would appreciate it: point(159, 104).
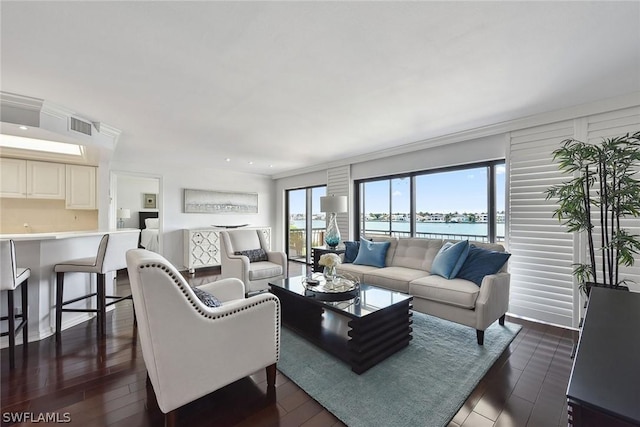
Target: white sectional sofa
point(407, 269)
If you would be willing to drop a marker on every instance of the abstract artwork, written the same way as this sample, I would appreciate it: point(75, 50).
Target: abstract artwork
point(219, 202)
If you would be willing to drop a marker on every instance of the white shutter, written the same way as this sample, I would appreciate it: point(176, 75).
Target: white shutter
point(542, 250)
point(338, 184)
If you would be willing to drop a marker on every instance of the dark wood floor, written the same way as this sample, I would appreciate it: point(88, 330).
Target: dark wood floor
point(103, 383)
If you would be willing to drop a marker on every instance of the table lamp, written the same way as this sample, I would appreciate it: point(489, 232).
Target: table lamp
point(122, 215)
point(333, 205)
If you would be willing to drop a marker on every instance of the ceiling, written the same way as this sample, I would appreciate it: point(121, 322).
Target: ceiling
point(291, 85)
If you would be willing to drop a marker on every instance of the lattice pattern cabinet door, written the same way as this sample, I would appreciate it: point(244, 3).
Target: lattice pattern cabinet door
point(202, 248)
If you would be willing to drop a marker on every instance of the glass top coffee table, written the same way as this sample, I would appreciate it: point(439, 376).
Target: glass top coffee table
point(363, 330)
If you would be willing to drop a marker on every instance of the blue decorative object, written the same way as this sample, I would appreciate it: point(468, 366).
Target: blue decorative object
point(372, 253)
point(350, 251)
point(450, 258)
point(481, 262)
point(206, 298)
point(332, 235)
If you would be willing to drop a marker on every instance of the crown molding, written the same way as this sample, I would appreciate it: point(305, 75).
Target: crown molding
point(597, 107)
point(20, 101)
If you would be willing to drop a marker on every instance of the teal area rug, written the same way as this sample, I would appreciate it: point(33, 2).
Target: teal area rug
point(422, 385)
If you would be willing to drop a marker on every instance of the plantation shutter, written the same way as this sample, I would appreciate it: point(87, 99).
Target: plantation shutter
point(542, 250)
point(338, 184)
point(607, 125)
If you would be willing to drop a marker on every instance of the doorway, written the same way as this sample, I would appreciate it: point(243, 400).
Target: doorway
point(136, 202)
point(305, 222)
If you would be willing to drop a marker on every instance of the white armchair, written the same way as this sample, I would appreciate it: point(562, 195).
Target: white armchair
point(191, 349)
point(255, 273)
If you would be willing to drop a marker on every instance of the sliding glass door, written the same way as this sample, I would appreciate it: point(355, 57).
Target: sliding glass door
point(305, 222)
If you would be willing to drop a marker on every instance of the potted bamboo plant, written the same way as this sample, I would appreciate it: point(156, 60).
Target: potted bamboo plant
point(604, 188)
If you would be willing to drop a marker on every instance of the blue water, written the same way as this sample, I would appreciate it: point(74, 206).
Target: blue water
point(451, 228)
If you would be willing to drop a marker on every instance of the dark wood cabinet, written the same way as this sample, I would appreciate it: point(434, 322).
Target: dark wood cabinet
point(318, 251)
point(604, 388)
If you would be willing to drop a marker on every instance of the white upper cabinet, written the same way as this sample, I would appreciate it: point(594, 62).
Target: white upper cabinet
point(80, 187)
point(45, 180)
point(13, 178)
point(31, 180)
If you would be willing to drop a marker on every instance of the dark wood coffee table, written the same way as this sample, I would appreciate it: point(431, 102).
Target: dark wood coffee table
point(361, 331)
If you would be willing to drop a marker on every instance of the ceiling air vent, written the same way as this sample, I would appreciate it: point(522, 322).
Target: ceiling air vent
point(80, 126)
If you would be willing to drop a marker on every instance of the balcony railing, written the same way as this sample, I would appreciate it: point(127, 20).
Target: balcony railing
point(298, 249)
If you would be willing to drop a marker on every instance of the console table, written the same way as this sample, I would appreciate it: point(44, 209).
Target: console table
point(603, 388)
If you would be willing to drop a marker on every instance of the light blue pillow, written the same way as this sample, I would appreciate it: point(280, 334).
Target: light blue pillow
point(450, 258)
point(372, 253)
point(481, 262)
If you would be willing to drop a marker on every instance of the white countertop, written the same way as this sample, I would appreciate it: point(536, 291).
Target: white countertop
point(64, 234)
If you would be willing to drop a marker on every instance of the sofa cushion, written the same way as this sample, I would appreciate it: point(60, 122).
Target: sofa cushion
point(416, 253)
point(350, 251)
point(456, 292)
point(357, 271)
point(264, 270)
point(396, 278)
point(242, 240)
point(450, 258)
point(372, 253)
point(481, 262)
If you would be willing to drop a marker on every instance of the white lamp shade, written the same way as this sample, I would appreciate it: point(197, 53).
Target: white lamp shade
point(334, 204)
point(124, 213)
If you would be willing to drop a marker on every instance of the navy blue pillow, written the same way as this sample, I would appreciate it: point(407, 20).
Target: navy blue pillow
point(206, 298)
point(350, 251)
point(372, 253)
point(481, 262)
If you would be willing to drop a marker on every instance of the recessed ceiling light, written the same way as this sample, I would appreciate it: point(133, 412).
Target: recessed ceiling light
point(227, 159)
point(270, 166)
point(250, 163)
point(23, 127)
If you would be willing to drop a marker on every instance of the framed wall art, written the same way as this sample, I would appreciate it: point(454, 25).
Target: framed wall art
point(150, 201)
point(219, 202)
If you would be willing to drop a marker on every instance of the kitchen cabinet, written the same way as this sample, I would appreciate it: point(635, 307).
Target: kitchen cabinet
point(80, 187)
point(32, 180)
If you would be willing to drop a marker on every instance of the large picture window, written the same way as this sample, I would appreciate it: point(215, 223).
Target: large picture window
point(455, 203)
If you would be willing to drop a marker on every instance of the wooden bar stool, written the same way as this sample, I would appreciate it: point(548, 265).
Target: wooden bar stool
point(110, 257)
point(11, 277)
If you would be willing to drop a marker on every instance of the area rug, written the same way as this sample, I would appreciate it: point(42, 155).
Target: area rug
point(422, 385)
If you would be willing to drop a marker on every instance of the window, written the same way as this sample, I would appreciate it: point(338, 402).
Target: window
point(305, 222)
point(454, 203)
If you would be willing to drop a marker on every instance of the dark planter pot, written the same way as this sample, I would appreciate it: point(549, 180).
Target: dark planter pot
point(590, 285)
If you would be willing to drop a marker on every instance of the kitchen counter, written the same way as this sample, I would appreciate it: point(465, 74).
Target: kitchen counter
point(63, 234)
point(41, 252)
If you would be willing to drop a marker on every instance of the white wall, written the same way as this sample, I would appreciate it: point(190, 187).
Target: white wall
point(175, 180)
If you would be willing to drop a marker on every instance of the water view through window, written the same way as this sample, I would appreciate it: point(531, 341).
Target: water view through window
point(449, 204)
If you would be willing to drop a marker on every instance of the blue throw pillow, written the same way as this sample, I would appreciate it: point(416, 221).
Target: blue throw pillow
point(481, 262)
point(372, 253)
point(450, 258)
point(350, 251)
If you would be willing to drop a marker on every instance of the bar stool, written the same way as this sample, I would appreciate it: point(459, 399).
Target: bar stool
point(11, 277)
point(110, 257)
